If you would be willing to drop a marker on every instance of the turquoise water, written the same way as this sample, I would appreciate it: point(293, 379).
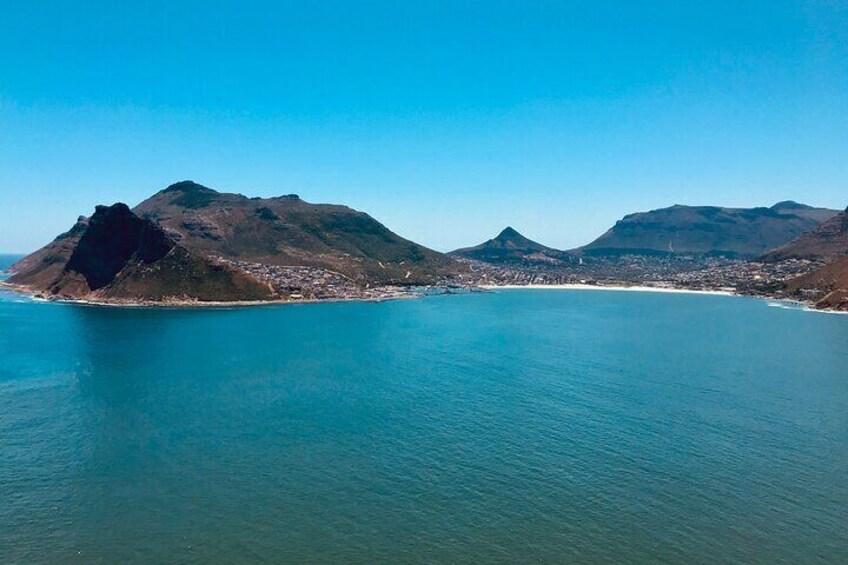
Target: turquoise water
point(519, 426)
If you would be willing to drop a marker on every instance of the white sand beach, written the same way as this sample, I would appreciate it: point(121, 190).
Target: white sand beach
point(607, 287)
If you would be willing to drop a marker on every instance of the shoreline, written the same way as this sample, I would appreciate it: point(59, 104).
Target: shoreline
point(777, 302)
point(195, 304)
point(188, 304)
point(786, 304)
point(614, 288)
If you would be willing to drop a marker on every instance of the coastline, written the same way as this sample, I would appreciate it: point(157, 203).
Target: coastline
point(188, 304)
point(802, 306)
point(776, 302)
point(615, 288)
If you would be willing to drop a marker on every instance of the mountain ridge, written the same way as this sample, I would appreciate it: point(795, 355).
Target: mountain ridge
point(188, 241)
point(286, 230)
point(683, 229)
point(828, 241)
point(829, 283)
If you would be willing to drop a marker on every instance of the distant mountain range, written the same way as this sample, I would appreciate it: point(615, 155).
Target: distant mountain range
point(193, 242)
point(184, 239)
point(786, 230)
point(709, 230)
point(509, 246)
point(677, 230)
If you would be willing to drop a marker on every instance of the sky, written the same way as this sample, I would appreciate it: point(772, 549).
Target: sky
point(445, 120)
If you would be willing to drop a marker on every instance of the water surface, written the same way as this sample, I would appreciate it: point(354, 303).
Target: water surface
point(518, 426)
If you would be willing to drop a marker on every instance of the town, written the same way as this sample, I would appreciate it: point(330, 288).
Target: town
point(682, 272)
point(713, 273)
point(300, 283)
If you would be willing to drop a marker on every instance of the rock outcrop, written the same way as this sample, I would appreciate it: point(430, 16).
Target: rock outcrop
point(118, 256)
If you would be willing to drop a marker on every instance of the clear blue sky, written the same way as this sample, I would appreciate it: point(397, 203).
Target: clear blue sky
point(445, 120)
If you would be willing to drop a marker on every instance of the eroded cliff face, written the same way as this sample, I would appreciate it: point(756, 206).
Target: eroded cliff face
point(118, 256)
point(115, 236)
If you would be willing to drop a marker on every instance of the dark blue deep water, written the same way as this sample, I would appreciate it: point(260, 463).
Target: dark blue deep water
point(519, 426)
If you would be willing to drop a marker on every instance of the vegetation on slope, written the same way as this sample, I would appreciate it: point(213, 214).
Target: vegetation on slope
point(709, 230)
point(288, 231)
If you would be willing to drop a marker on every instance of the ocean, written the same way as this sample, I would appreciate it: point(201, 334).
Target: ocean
point(517, 426)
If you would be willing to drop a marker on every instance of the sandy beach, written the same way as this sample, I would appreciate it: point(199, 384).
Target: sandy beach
point(772, 302)
point(610, 287)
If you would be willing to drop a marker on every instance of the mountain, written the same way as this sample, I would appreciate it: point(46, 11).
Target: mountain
point(190, 242)
point(826, 242)
point(828, 286)
point(509, 246)
point(42, 268)
point(742, 232)
point(288, 231)
point(116, 255)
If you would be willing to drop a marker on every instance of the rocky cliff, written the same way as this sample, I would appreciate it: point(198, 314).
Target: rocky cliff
point(116, 255)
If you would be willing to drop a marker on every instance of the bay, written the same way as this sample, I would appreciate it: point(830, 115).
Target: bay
point(514, 426)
